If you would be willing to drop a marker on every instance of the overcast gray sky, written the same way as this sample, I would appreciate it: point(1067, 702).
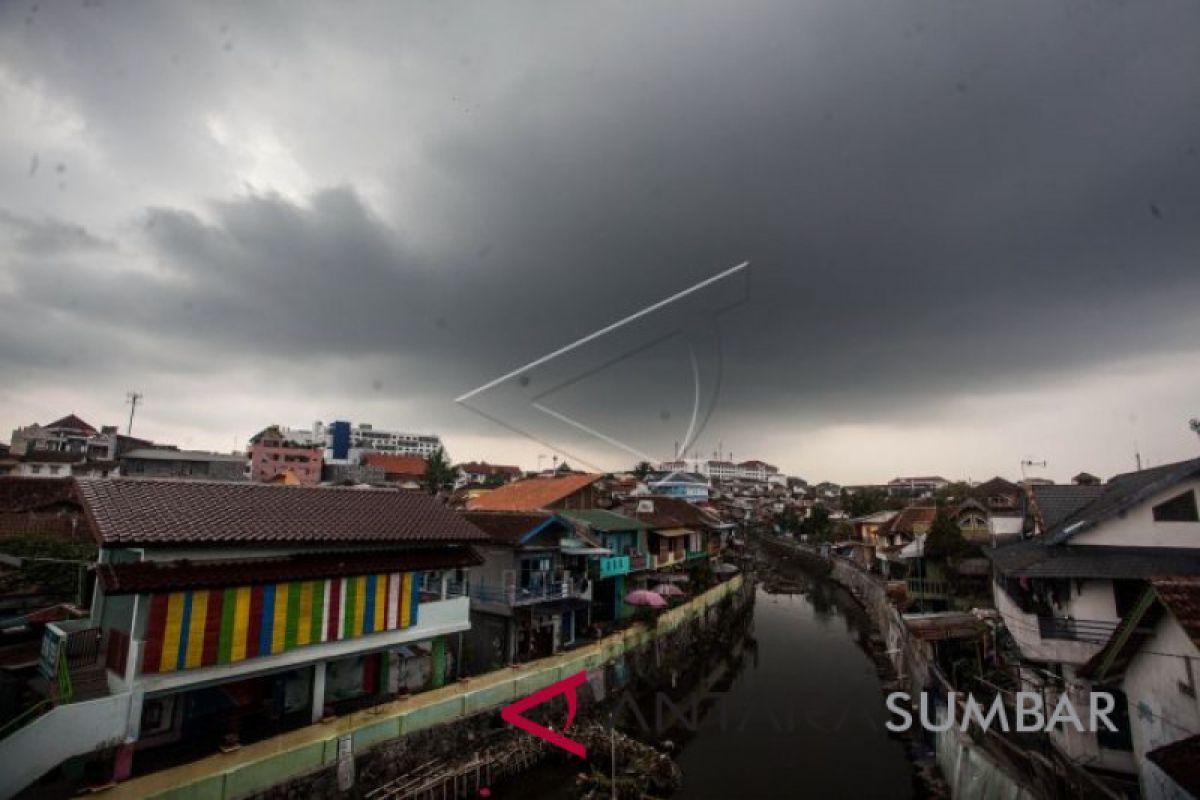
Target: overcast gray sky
point(974, 229)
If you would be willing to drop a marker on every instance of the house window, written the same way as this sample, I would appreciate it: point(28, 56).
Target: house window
point(1181, 508)
point(36, 469)
point(54, 470)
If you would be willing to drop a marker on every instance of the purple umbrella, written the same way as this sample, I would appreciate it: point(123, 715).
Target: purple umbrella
point(668, 590)
point(642, 597)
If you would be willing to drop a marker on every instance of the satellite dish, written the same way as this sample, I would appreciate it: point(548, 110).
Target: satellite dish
point(645, 507)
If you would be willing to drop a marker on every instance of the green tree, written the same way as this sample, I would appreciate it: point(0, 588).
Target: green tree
point(816, 526)
point(52, 576)
point(438, 472)
point(866, 501)
point(944, 539)
point(642, 469)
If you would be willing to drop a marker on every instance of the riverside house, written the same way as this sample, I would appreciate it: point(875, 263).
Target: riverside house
point(227, 612)
point(531, 597)
point(1080, 598)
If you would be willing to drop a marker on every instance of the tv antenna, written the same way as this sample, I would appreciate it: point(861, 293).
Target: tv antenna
point(1028, 462)
point(132, 398)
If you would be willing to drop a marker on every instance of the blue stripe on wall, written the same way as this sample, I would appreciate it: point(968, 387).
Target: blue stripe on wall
point(369, 612)
point(185, 624)
point(268, 620)
point(416, 598)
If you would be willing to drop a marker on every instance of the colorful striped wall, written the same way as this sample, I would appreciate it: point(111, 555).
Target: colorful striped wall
point(223, 626)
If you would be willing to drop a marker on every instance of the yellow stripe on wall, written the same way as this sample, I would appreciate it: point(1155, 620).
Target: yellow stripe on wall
point(360, 604)
point(171, 632)
point(381, 587)
point(279, 627)
point(406, 600)
point(241, 620)
point(195, 644)
point(304, 624)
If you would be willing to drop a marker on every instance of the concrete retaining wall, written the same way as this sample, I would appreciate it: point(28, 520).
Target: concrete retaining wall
point(388, 740)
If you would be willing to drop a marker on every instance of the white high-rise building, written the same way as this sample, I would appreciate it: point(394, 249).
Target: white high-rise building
point(346, 442)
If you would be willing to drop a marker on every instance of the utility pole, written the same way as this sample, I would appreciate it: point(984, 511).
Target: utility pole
point(132, 398)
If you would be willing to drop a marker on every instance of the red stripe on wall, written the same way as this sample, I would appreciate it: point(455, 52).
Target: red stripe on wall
point(335, 609)
point(212, 628)
point(254, 624)
point(155, 623)
point(370, 673)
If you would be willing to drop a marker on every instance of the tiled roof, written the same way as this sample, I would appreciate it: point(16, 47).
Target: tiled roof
point(132, 511)
point(907, 519)
point(532, 494)
point(72, 422)
point(509, 527)
point(1121, 493)
point(19, 495)
point(604, 520)
point(689, 514)
point(1052, 503)
point(396, 465)
point(153, 576)
point(1181, 596)
point(484, 468)
point(1035, 559)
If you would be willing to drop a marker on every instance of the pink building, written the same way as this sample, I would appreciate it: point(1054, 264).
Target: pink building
point(273, 458)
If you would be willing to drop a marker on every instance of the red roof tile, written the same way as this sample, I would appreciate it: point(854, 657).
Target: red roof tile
point(1181, 595)
point(507, 527)
point(532, 494)
point(132, 511)
point(396, 465)
point(154, 576)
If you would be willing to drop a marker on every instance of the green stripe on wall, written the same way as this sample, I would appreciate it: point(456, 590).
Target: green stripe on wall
point(350, 597)
point(318, 609)
point(228, 611)
point(293, 615)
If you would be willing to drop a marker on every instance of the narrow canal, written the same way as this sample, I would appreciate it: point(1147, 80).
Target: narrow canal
point(799, 714)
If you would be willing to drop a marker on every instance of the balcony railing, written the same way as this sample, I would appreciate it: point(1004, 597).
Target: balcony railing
point(920, 587)
point(613, 566)
point(1076, 630)
point(525, 595)
point(667, 559)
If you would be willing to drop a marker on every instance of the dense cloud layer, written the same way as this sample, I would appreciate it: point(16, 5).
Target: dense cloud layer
point(954, 213)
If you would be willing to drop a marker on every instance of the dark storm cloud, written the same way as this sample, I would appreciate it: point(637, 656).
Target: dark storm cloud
point(935, 197)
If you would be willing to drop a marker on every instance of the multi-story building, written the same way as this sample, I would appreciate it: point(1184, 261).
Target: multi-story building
point(916, 486)
point(1069, 594)
point(719, 470)
point(531, 596)
point(229, 612)
point(685, 485)
point(69, 446)
point(346, 442)
point(274, 456)
point(627, 556)
point(194, 464)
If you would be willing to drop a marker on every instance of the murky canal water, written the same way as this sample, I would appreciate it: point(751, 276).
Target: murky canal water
point(801, 715)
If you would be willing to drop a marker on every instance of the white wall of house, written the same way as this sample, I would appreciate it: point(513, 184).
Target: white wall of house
point(1137, 527)
point(1024, 629)
point(1160, 710)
